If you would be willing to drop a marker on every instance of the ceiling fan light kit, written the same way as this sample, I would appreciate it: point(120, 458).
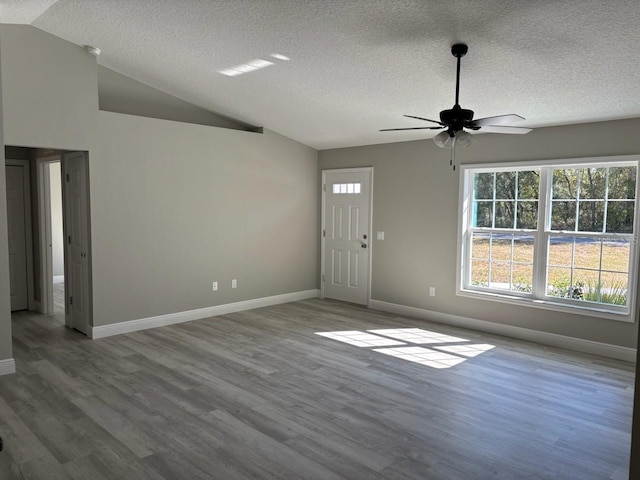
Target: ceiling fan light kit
point(456, 119)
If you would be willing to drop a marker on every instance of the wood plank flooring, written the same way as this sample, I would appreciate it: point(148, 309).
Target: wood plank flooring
point(257, 395)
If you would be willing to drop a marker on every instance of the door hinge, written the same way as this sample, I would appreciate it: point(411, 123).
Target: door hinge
point(69, 239)
point(70, 300)
point(324, 232)
point(67, 177)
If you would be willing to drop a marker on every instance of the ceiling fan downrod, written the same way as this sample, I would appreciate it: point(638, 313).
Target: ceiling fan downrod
point(458, 50)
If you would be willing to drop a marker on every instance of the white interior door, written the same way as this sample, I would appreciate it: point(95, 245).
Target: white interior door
point(346, 227)
point(17, 225)
point(77, 274)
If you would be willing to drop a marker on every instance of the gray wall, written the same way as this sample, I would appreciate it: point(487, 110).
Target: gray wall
point(5, 304)
point(50, 92)
point(177, 206)
point(416, 205)
point(121, 94)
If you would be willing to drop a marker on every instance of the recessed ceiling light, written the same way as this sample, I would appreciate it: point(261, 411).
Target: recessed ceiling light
point(279, 56)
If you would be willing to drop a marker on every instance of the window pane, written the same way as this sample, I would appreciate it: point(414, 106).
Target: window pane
point(593, 183)
point(620, 216)
point(483, 186)
point(527, 215)
point(622, 182)
point(480, 245)
point(336, 188)
point(613, 289)
point(522, 278)
point(501, 247)
point(482, 214)
point(509, 265)
point(563, 215)
point(560, 251)
point(505, 185)
point(500, 275)
point(587, 253)
point(528, 185)
point(591, 216)
point(615, 255)
point(479, 273)
point(584, 285)
point(558, 281)
point(598, 273)
point(505, 214)
point(523, 249)
point(565, 183)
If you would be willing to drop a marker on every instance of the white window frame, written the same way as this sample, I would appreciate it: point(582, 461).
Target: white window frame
point(537, 298)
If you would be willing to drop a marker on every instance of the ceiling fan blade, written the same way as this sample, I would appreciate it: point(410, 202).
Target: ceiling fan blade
point(425, 119)
point(505, 129)
point(499, 120)
point(410, 128)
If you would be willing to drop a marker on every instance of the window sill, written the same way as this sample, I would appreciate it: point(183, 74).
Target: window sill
point(548, 305)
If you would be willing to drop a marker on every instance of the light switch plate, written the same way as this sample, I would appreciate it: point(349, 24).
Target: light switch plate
point(379, 235)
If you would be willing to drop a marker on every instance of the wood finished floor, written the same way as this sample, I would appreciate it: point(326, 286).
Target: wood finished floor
point(257, 395)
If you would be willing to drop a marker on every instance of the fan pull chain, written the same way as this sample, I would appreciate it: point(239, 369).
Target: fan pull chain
point(452, 159)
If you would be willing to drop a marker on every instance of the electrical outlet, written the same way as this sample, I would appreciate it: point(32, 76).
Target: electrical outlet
point(234, 283)
point(432, 291)
point(214, 286)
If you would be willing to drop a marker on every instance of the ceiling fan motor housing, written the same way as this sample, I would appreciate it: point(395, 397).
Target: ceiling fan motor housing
point(456, 118)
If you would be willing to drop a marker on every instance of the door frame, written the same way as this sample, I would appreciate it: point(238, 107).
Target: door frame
point(44, 222)
point(26, 180)
point(323, 189)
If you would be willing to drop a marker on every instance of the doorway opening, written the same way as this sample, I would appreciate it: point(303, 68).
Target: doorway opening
point(51, 228)
point(52, 246)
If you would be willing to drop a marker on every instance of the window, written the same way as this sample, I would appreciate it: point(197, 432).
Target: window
point(555, 234)
point(348, 188)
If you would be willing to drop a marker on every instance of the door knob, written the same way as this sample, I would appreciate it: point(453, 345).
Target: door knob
point(364, 245)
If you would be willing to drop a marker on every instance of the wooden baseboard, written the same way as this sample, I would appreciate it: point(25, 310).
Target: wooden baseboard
point(190, 315)
point(7, 366)
point(545, 338)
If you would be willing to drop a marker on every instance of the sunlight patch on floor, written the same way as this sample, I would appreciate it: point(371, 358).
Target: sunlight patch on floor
point(447, 351)
point(417, 335)
point(423, 356)
point(467, 350)
point(360, 339)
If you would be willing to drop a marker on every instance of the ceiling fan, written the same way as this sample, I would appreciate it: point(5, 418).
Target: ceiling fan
point(457, 119)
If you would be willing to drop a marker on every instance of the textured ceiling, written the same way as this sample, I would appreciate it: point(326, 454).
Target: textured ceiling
point(357, 65)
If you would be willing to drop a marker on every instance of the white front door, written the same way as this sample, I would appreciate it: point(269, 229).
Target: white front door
point(346, 229)
point(16, 224)
point(76, 200)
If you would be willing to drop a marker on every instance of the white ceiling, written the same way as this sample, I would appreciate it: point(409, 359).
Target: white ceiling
point(358, 65)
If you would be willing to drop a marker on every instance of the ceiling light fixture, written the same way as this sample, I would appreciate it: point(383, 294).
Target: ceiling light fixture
point(456, 119)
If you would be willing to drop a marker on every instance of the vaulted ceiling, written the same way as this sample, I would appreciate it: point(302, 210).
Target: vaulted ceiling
point(357, 66)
